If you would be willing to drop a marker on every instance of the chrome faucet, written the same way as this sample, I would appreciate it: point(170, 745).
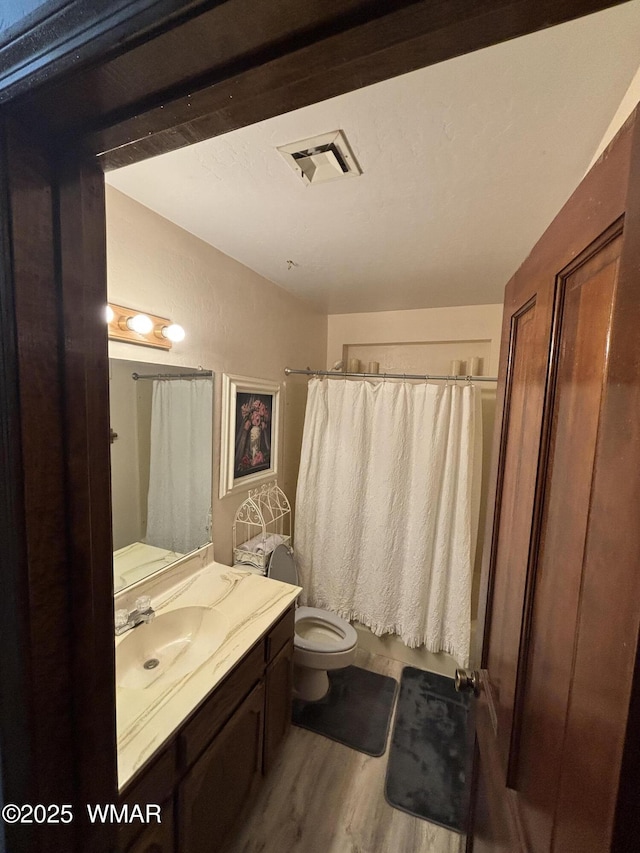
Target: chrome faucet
point(125, 620)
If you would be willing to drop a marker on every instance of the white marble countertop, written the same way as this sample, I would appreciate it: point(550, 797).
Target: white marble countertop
point(146, 718)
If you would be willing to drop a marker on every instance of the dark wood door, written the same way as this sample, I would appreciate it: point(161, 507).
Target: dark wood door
point(561, 626)
point(221, 783)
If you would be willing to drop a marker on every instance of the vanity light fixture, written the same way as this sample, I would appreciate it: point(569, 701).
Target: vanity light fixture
point(140, 323)
point(174, 333)
point(136, 327)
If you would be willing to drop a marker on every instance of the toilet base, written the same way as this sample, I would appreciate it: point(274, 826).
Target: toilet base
point(310, 685)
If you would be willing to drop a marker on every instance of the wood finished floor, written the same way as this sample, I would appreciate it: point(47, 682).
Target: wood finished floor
point(322, 797)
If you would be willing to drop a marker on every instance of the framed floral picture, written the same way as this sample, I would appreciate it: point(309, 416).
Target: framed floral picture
point(250, 421)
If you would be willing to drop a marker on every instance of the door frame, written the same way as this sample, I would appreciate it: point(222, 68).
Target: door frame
point(56, 614)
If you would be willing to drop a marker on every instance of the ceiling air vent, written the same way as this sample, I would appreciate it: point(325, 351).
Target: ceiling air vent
point(321, 158)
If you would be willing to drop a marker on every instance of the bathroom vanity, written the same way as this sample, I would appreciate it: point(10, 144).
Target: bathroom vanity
point(200, 745)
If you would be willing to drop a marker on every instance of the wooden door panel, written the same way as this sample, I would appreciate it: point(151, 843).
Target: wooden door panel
point(607, 618)
point(585, 300)
point(492, 833)
point(555, 728)
point(497, 825)
point(521, 442)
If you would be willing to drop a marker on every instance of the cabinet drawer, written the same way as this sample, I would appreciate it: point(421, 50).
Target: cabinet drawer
point(213, 714)
point(280, 634)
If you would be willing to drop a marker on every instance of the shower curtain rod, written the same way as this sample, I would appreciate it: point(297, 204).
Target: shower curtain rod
point(201, 374)
point(339, 374)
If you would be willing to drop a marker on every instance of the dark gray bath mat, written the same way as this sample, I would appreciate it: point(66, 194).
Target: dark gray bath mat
point(428, 753)
point(356, 711)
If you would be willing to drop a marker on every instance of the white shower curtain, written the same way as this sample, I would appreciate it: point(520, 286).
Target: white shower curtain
point(179, 500)
point(387, 507)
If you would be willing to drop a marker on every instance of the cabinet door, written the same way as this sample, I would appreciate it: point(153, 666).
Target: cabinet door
point(220, 784)
point(158, 838)
point(279, 687)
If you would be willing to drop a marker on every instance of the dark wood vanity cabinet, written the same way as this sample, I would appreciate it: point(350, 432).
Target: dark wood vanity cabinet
point(279, 687)
point(223, 780)
point(213, 766)
point(158, 838)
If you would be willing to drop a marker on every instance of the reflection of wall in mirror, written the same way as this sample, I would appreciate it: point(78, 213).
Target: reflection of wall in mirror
point(144, 394)
point(128, 468)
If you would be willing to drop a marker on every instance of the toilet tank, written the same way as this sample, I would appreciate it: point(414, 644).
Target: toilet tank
point(282, 566)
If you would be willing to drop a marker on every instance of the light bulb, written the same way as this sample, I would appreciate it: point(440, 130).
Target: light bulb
point(140, 324)
point(174, 332)
point(108, 313)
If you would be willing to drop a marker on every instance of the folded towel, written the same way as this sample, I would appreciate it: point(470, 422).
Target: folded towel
point(263, 543)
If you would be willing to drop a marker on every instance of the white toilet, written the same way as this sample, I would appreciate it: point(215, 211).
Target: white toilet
point(322, 641)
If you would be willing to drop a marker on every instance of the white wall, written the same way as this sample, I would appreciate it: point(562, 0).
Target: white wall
point(236, 322)
point(627, 106)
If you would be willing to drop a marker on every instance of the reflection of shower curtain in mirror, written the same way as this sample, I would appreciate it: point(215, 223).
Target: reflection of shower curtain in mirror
point(387, 507)
point(179, 500)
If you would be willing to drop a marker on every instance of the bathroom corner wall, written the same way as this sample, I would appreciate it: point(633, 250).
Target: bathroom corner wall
point(236, 322)
point(627, 106)
point(425, 340)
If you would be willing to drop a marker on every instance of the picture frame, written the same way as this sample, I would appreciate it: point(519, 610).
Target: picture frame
point(250, 434)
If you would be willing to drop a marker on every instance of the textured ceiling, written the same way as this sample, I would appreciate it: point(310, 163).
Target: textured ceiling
point(464, 165)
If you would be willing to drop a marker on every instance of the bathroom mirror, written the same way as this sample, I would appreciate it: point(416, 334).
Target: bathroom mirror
point(161, 465)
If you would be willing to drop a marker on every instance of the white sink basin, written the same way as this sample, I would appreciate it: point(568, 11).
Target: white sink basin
point(169, 647)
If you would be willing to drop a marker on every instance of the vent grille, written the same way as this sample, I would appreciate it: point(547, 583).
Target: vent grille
point(322, 158)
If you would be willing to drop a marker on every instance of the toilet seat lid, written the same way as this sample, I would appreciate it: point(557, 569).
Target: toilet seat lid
point(282, 566)
point(340, 635)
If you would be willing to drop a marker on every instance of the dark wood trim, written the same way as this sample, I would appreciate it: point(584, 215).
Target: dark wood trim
point(213, 73)
point(83, 276)
point(57, 737)
point(59, 35)
point(311, 70)
point(36, 581)
point(17, 759)
point(58, 732)
point(622, 407)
